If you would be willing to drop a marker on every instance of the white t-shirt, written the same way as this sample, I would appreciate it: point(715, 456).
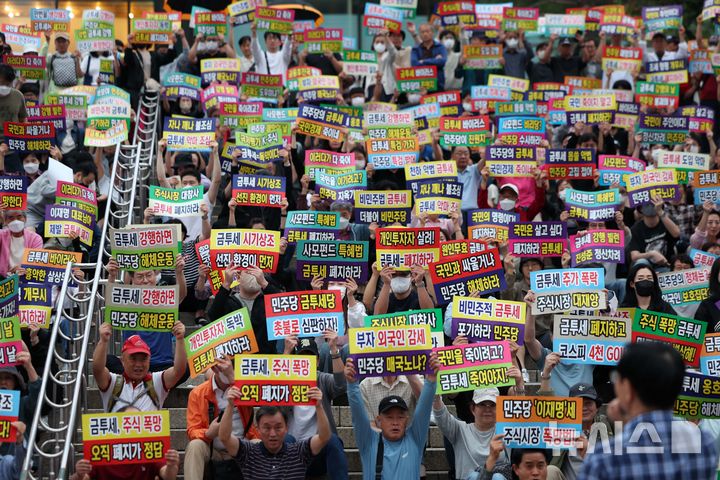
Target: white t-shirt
point(135, 395)
point(194, 224)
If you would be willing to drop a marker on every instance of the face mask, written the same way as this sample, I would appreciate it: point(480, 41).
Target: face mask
point(344, 222)
point(694, 149)
point(16, 226)
point(511, 42)
point(400, 285)
point(357, 101)
point(624, 198)
point(341, 288)
point(308, 197)
point(562, 194)
point(413, 98)
point(449, 43)
point(4, 91)
point(644, 288)
point(507, 204)
point(249, 283)
point(657, 153)
point(379, 47)
point(360, 164)
point(31, 168)
point(467, 106)
point(211, 45)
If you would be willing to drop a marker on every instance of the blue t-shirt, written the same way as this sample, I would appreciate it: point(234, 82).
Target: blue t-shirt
point(160, 343)
point(565, 375)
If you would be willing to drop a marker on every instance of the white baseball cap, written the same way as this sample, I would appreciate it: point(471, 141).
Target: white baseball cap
point(485, 394)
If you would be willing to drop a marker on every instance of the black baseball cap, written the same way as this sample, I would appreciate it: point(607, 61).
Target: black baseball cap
point(584, 390)
point(307, 345)
point(393, 401)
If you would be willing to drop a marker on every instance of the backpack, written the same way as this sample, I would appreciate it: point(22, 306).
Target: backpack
point(64, 82)
point(120, 384)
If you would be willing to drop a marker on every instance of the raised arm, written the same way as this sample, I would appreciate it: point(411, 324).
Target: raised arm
point(100, 371)
point(230, 441)
point(160, 164)
point(173, 374)
point(318, 441)
point(532, 344)
point(216, 173)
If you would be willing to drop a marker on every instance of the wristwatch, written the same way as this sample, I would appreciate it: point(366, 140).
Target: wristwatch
point(542, 376)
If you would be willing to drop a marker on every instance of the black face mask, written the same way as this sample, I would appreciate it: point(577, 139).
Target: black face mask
point(644, 288)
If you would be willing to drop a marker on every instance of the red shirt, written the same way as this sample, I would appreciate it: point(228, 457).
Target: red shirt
point(135, 471)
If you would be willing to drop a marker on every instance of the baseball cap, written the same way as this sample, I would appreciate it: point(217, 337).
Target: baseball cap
point(512, 187)
point(648, 210)
point(307, 345)
point(393, 401)
point(584, 390)
point(485, 394)
point(64, 35)
point(565, 41)
point(135, 344)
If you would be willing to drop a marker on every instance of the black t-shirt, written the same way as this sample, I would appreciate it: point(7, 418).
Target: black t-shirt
point(646, 239)
point(318, 60)
point(412, 302)
point(563, 67)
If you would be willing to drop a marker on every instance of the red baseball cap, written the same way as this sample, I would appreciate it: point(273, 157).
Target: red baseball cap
point(135, 344)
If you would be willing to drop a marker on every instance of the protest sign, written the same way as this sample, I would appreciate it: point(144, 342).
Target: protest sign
point(22, 36)
point(144, 308)
point(450, 102)
point(49, 19)
point(563, 25)
point(9, 412)
point(174, 16)
point(360, 62)
point(684, 160)
point(537, 239)
point(97, 17)
point(54, 114)
point(657, 95)
point(13, 192)
point(75, 100)
point(332, 260)
point(323, 40)
point(390, 153)
point(657, 19)
point(217, 94)
point(414, 79)
point(539, 422)
point(642, 186)
point(701, 119)
point(176, 203)
point(481, 319)
point(237, 114)
point(590, 109)
point(10, 339)
point(667, 71)
point(159, 32)
point(321, 122)
point(226, 337)
point(684, 287)
point(593, 206)
point(244, 248)
point(477, 365)
point(456, 12)
point(483, 57)
point(465, 131)
point(35, 305)
point(215, 277)
point(260, 87)
point(432, 317)
point(391, 350)
point(179, 85)
point(684, 334)
point(330, 162)
point(590, 340)
point(243, 12)
point(220, 70)
point(340, 187)
point(296, 73)
point(304, 314)
point(102, 116)
point(569, 164)
point(112, 136)
point(464, 275)
point(281, 380)
point(401, 248)
point(99, 38)
point(699, 397)
point(451, 248)
point(189, 134)
point(627, 113)
point(258, 190)
point(312, 225)
point(439, 171)
point(514, 109)
point(706, 186)
point(29, 137)
point(490, 223)
point(274, 20)
point(146, 247)
point(605, 246)
point(9, 298)
point(382, 206)
point(558, 291)
point(701, 258)
point(484, 96)
point(438, 198)
point(615, 168)
point(125, 438)
point(32, 67)
point(47, 266)
point(61, 221)
point(210, 24)
point(710, 355)
point(520, 19)
point(521, 130)
point(258, 149)
point(701, 61)
point(618, 24)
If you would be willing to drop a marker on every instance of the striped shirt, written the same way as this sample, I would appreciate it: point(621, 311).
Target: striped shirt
point(290, 463)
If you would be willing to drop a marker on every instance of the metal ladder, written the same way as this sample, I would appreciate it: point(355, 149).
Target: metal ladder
point(80, 310)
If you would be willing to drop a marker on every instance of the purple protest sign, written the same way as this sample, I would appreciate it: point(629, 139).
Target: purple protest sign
point(383, 364)
point(537, 239)
point(332, 260)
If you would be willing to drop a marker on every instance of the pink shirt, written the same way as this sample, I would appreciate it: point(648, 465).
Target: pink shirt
point(32, 240)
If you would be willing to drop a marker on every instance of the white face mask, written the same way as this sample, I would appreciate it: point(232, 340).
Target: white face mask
point(341, 288)
point(562, 194)
point(400, 285)
point(449, 43)
point(467, 106)
point(694, 149)
point(379, 47)
point(308, 197)
point(507, 204)
point(357, 101)
point(16, 226)
point(360, 164)
point(344, 222)
point(413, 98)
point(511, 42)
point(657, 153)
point(31, 168)
point(4, 90)
point(249, 283)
